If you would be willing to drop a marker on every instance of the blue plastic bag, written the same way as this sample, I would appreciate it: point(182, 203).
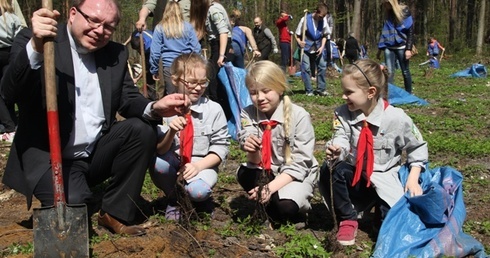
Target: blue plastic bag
point(429, 225)
point(233, 78)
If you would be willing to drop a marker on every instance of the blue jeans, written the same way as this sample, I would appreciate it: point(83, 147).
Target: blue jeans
point(306, 72)
point(348, 200)
point(398, 54)
point(285, 54)
point(165, 177)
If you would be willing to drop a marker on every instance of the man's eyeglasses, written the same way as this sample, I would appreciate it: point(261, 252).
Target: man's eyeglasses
point(108, 29)
point(193, 85)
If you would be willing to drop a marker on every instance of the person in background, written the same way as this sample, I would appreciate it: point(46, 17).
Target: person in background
point(155, 8)
point(198, 17)
point(207, 135)
point(172, 37)
point(218, 31)
point(135, 44)
point(285, 37)
point(279, 140)
point(265, 39)
point(313, 44)
point(365, 152)
point(335, 56)
point(93, 84)
point(329, 20)
point(352, 48)
point(10, 25)
point(396, 40)
point(241, 37)
point(434, 47)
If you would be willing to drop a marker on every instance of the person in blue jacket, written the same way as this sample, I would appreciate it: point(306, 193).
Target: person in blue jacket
point(172, 37)
point(316, 31)
point(434, 47)
point(396, 40)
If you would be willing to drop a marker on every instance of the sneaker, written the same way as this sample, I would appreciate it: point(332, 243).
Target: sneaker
point(172, 213)
point(310, 94)
point(347, 232)
point(8, 137)
point(323, 93)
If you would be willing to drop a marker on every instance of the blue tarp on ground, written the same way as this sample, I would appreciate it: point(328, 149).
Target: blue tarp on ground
point(429, 225)
point(233, 78)
point(474, 71)
point(399, 96)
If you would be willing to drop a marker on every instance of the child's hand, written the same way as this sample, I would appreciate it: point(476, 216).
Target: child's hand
point(178, 123)
point(189, 171)
point(414, 188)
point(333, 152)
point(412, 184)
point(252, 144)
point(265, 195)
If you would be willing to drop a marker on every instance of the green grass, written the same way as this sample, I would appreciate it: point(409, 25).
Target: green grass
point(18, 249)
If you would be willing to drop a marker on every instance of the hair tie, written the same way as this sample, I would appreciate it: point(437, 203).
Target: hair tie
point(370, 85)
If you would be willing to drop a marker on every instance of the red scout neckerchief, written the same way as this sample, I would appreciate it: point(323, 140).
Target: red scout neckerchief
point(186, 140)
point(267, 144)
point(365, 147)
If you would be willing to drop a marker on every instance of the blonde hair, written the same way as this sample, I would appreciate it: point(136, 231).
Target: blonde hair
point(6, 6)
point(173, 20)
point(397, 10)
point(186, 64)
point(273, 77)
point(368, 73)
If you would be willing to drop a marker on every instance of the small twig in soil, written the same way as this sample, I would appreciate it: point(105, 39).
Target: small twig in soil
point(193, 238)
point(187, 211)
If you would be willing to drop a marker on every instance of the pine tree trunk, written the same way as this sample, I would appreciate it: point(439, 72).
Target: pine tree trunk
point(481, 28)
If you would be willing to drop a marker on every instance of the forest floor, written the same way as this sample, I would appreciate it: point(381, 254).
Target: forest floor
point(231, 234)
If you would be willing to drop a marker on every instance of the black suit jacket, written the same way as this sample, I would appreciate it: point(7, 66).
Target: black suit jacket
point(29, 155)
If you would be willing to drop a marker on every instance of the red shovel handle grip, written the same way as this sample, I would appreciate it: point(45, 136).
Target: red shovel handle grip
point(52, 114)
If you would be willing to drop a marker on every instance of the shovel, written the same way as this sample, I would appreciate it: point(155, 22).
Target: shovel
point(292, 68)
point(60, 230)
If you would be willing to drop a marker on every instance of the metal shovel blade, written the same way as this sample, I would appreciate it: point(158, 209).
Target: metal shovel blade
point(61, 231)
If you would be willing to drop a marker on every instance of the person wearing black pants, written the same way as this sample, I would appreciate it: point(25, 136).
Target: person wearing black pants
point(93, 84)
point(219, 30)
point(279, 210)
point(112, 157)
point(6, 119)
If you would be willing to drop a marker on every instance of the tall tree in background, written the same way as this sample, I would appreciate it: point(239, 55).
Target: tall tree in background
point(356, 19)
point(452, 20)
point(481, 28)
point(469, 18)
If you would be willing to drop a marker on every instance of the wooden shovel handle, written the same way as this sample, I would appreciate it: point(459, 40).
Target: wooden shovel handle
point(303, 35)
point(143, 64)
point(52, 114)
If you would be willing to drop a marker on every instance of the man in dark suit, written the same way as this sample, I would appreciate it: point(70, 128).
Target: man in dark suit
point(93, 84)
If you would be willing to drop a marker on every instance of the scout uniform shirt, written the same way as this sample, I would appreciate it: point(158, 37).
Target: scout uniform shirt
point(303, 167)
point(210, 130)
point(393, 131)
